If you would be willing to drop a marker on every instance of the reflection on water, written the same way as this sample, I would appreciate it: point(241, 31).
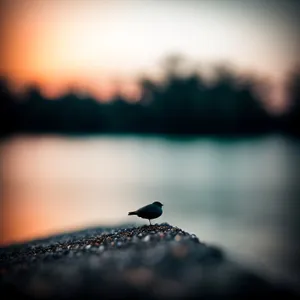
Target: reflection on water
point(240, 194)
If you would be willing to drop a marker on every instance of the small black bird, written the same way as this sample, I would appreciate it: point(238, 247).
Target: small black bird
point(151, 211)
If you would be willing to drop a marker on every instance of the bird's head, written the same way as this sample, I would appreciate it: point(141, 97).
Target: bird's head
point(158, 204)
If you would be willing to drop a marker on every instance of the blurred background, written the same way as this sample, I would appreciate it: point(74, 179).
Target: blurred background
point(107, 106)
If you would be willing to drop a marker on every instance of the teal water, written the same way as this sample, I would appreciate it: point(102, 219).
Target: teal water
point(241, 195)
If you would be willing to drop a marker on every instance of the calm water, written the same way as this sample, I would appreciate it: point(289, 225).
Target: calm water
point(241, 195)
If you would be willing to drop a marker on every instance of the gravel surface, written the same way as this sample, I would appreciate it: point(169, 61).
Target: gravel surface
point(148, 262)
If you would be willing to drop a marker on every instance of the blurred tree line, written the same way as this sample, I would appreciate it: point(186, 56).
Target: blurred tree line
point(179, 104)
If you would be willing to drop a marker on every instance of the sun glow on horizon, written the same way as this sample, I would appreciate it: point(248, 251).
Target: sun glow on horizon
point(95, 43)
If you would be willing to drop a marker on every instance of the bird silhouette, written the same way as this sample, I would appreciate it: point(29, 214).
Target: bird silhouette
point(151, 211)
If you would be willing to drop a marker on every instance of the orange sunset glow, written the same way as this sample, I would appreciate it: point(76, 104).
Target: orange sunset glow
point(95, 44)
point(143, 127)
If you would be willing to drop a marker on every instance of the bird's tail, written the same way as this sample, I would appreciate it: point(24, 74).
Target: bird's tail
point(131, 213)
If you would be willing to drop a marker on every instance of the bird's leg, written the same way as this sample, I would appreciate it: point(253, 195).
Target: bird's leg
point(150, 222)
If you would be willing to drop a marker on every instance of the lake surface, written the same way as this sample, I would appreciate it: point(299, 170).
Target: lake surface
point(241, 195)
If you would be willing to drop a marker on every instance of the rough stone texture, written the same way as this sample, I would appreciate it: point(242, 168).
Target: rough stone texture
point(149, 262)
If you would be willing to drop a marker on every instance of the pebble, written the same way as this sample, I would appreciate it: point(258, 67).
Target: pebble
point(165, 268)
point(177, 238)
point(146, 238)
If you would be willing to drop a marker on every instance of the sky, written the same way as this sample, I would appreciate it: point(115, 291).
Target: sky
point(107, 44)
